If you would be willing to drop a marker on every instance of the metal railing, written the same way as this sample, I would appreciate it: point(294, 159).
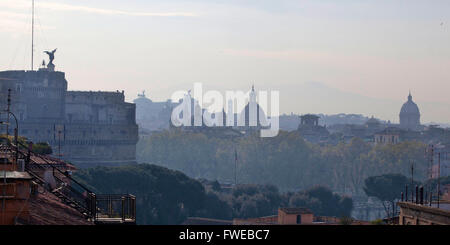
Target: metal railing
point(101, 208)
point(115, 206)
point(417, 195)
point(69, 190)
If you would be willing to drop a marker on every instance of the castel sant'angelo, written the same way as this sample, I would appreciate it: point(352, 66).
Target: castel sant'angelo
point(84, 127)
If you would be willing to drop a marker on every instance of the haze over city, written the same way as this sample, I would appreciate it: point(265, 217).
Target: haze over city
point(323, 56)
point(228, 120)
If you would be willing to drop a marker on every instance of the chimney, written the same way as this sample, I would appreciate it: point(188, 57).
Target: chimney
point(406, 193)
point(417, 194)
point(421, 195)
point(431, 197)
point(30, 149)
point(21, 165)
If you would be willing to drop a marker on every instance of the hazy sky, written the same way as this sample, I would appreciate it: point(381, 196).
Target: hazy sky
point(371, 50)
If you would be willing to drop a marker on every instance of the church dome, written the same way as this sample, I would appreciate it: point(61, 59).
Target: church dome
point(260, 116)
point(246, 119)
point(410, 115)
point(372, 121)
point(142, 99)
point(409, 107)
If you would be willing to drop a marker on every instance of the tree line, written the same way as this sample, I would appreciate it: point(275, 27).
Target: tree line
point(165, 196)
point(286, 161)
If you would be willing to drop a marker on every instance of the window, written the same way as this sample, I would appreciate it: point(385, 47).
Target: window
point(299, 219)
point(18, 87)
point(9, 190)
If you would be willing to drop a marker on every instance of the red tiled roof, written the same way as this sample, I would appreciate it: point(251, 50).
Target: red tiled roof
point(46, 209)
point(206, 221)
point(46, 160)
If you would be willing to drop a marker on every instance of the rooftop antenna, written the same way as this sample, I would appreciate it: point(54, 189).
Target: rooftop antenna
point(32, 34)
point(439, 178)
point(412, 181)
point(235, 166)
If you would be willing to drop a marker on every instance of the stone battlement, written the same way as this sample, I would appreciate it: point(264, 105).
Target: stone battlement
point(31, 74)
point(95, 97)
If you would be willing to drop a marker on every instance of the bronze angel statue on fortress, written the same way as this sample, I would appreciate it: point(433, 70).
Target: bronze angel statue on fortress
point(51, 55)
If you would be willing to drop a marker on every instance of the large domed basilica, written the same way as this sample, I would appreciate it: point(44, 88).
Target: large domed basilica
point(410, 115)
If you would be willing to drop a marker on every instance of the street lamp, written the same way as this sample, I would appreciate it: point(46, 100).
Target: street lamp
point(16, 131)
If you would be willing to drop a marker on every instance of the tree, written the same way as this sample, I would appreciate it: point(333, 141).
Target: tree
point(255, 200)
point(42, 148)
point(323, 202)
point(215, 207)
point(286, 161)
point(345, 221)
point(163, 196)
point(387, 188)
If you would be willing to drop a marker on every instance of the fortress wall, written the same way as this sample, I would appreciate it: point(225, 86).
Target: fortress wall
point(93, 97)
point(101, 132)
point(100, 126)
point(97, 128)
point(35, 95)
point(37, 132)
point(100, 153)
point(99, 107)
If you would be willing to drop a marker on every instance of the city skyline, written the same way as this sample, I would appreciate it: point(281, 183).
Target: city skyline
point(353, 57)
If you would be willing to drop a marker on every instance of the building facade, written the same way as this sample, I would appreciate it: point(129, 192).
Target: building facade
point(416, 214)
point(310, 129)
point(153, 115)
point(84, 127)
point(389, 135)
point(295, 216)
